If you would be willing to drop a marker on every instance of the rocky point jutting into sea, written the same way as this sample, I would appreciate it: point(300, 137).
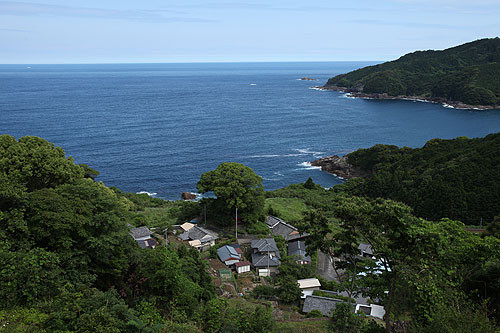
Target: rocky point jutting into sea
point(353, 92)
point(339, 166)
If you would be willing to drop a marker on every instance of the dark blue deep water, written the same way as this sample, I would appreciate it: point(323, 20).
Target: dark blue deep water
point(158, 127)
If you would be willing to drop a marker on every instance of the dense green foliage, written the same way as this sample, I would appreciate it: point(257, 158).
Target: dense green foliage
point(344, 320)
point(469, 73)
point(235, 186)
point(422, 266)
point(68, 262)
point(458, 178)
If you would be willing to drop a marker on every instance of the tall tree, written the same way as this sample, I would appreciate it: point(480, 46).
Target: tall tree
point(236, 186)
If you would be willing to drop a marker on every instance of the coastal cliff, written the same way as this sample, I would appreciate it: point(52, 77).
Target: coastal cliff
point(466, 76)
point(339, 166)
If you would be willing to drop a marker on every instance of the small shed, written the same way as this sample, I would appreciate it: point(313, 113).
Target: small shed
point(242, 266)
point(263, 272)
point(373, 310)
point(308, 286)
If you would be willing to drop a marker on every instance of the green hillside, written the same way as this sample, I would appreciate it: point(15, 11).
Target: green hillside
point(469, 73)
point(456, 178)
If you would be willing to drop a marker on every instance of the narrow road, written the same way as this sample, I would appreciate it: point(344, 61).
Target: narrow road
point(325, 267)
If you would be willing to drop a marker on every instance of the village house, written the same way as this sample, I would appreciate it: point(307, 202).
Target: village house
point(242, 266)
point(298, 250)
point(365, 250)
point(198, 237)
point(308, 286)
point(228, 255)
point(265, 256)
point(281, 228)
point(143, 237)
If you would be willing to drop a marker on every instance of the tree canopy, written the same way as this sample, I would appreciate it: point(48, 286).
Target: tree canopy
point(418, 267)
point(457, 179)
point(235, 186)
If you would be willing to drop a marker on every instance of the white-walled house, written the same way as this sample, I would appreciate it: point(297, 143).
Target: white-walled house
point(242, 266)
point(308, 286)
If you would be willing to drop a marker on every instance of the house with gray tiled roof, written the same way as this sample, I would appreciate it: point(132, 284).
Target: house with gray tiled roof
point(281, 228)
point(199, 238)
point(365, 250)
point(298, 249)
point(143, 237)
point(265, 255)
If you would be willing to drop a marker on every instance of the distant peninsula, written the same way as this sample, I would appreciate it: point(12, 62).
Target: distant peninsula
point(466, 76)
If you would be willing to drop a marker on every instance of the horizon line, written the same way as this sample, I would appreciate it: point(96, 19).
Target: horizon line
point(185, 62)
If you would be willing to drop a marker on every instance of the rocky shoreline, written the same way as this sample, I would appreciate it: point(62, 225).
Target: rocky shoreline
point(438, 100)
point(339, 166)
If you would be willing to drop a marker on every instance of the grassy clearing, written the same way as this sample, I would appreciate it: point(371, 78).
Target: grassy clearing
point(289, 209)
point(306, 326)
point(157, 217)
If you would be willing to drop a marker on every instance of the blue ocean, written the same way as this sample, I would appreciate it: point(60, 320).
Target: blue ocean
point(157, 127)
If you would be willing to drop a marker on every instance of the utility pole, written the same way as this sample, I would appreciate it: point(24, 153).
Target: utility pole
point(205, 213)
point(268, 259)
point(236, 223)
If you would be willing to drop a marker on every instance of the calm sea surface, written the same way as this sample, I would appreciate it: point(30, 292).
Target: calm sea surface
point(158, 127)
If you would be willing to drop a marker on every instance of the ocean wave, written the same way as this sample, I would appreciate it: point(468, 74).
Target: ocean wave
point(448, 106)
point(253, 84)
point(308, 166)
point(347, 95)
point(308, 151)
point(265, 156)
point(276, 155)
point(277, 173)
point(316, 88)
point(151, 194)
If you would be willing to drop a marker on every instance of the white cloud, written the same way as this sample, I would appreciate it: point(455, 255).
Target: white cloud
point(36, 9)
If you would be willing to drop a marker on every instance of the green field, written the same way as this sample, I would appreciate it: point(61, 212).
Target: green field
point(289, 209)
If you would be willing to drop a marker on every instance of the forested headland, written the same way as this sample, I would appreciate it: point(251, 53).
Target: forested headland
point(457, 178)
point(468, 73)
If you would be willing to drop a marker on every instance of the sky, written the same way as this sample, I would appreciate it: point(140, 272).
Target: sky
point(162, 31)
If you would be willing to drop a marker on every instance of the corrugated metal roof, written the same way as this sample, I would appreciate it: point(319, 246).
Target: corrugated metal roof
point(195, 243)
point(308, 283)
point(227, 252)
point(242, 263)
point(186, 226)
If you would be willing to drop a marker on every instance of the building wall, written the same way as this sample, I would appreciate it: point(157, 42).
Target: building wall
point(243, 269)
